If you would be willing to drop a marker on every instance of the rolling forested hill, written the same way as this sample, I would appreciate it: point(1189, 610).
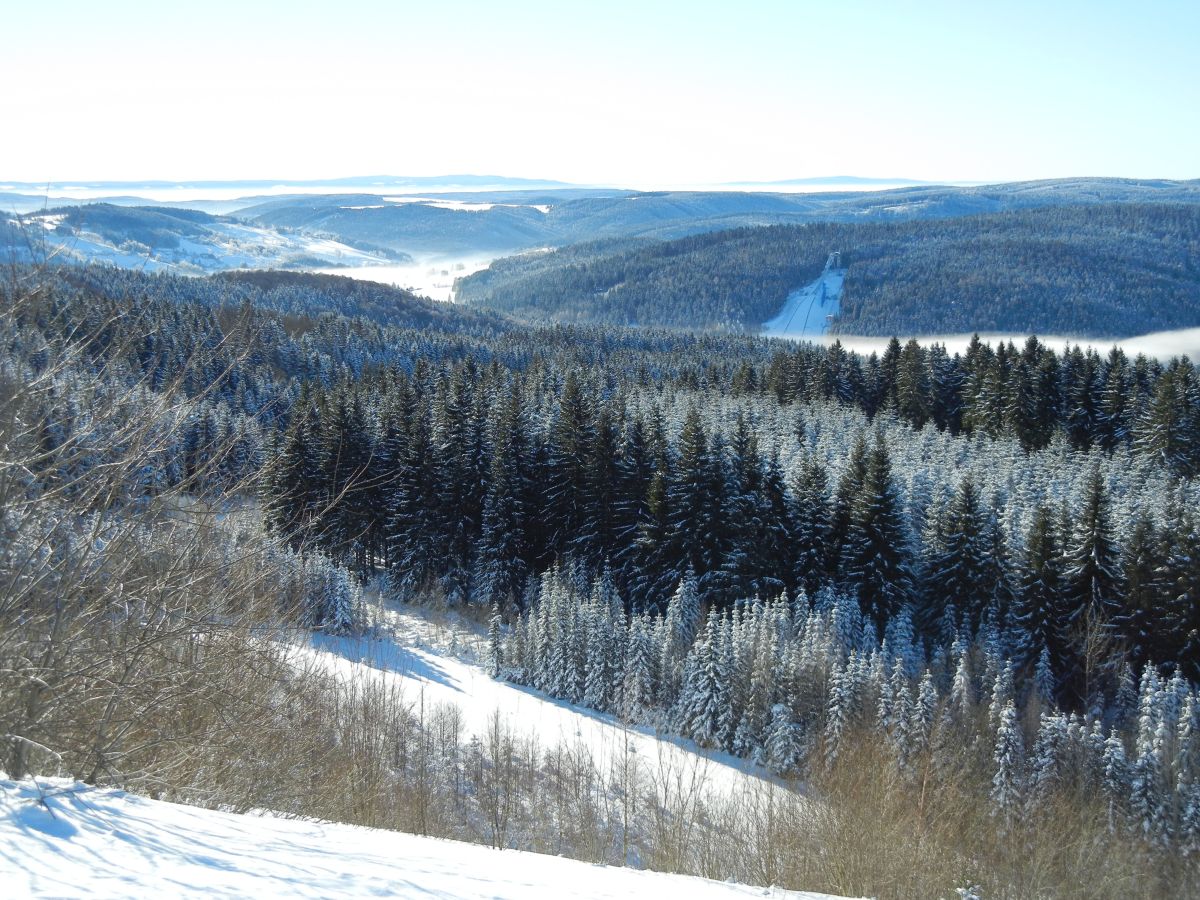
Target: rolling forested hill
point(528, 219)
point(1103, 270)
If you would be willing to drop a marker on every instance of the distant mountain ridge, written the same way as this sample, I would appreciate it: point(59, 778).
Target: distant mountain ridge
point(464, 180)
point(515, 223)
point(848, 180)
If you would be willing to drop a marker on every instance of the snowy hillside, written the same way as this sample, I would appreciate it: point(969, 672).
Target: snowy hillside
point(67, 840)
point(421, 659)
point(187, 243)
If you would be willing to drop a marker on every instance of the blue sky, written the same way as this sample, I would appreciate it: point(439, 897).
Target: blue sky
point(639, 93)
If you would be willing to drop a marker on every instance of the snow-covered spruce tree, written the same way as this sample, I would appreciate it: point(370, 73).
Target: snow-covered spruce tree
point(639, 694)
point(1040, 612)
point(502, 550)
point(1166, 429)
point(841, 708)
point(1148, 774)
point(1092, 581)
point(1180, 568)
point(1049, 758)
point(1044, 681)
point(962, 689)
point(785, 746)
point(957, 572)
point(876, 561)
point(811, 515)
point(702, 708)
point(1008, 782)
point(416, 540)
point(923, 716)
point(1117, 786)
point(1142, 614)
point(695, 495)
point(332, 597)
point(495, 654)
point(676, 632)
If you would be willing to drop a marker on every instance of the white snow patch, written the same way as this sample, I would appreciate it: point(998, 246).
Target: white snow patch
point(62, 839)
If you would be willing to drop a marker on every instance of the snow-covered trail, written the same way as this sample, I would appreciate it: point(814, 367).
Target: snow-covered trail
point(432, 677)
point(68, 840)
point(806, 312)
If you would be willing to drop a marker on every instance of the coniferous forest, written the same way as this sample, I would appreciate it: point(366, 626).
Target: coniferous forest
point(977, 571)
point(624, 451)
point(1107, 270)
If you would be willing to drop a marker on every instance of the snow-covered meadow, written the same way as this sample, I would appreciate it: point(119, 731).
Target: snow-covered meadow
point(63, 839)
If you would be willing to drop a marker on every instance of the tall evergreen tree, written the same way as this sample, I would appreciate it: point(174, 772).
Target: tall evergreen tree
point(877, 559)
point(1092, 575)
point(812, 515)
point(1040, 613)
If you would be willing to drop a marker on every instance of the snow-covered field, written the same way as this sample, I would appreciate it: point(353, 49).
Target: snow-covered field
point(807, 310)
point(60, 839)
point(430, 662)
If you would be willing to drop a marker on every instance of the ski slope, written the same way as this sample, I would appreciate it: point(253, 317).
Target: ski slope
point(61, 839)
point(807, 310)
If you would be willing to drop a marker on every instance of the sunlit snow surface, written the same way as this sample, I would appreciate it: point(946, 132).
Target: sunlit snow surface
point(421, 662)
point(808, 310)
point(219, 246)
point(60, 839)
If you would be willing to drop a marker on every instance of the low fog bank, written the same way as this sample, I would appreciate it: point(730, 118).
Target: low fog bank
point(1161, 345)
point(431, 277)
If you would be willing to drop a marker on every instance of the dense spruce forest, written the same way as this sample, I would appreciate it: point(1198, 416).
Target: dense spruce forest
point(1104, 270)
point(980, 569)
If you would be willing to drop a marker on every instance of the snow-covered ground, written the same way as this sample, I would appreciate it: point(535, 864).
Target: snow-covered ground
point(431, 662)
point(222, 245)
point(807, 310)
point(59, 839)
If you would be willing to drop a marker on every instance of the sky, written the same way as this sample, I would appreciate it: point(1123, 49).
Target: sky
point(637, 93)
